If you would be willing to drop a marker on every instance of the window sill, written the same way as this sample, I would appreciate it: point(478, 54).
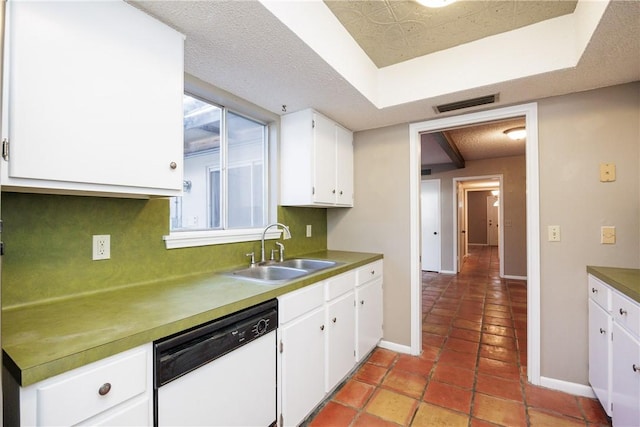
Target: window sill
point(189, 239)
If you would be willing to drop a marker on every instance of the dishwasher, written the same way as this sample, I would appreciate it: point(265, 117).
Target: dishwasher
point(221, 373)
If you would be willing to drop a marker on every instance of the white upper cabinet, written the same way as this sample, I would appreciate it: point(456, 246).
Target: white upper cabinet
point(316, 161)
point(92, 100)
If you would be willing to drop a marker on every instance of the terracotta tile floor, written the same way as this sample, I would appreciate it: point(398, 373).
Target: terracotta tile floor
point(472, 371)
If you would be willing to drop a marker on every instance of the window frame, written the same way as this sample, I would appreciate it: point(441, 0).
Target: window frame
point(231, 103)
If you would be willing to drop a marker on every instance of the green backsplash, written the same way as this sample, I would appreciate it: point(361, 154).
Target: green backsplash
point(48, 245)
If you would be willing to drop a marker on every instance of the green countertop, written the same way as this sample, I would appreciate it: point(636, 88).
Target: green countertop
point(46, 339)
point(625, 280)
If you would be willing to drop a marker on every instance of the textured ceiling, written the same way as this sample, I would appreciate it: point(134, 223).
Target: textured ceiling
point(243, 48)
point(392, 31)
point(487, 140)
point(477, 142)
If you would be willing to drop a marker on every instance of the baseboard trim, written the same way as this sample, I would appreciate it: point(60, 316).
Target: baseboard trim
point(395, 347)
point(508, 276)
point(447, 272)
point(567, 387)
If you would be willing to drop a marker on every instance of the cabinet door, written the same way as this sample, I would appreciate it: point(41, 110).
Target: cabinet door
point(341, 324)
point(600, 324)
point(626, 378)
point(324, 160)
point(368, 317)
point(94, 98)
point(302, 366)
point(344, 167)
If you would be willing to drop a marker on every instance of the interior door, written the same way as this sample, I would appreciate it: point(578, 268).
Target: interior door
point(492, 221)
point(462, 223)
point(430, 216)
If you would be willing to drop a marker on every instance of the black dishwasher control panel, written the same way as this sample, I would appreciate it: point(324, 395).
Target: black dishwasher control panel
point(181, 353)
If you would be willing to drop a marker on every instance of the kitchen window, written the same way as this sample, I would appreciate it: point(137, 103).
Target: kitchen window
point(225, 187)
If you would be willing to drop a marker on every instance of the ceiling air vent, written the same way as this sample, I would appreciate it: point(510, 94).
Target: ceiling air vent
point(474, 102)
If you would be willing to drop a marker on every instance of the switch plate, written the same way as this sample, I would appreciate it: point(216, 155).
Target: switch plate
point(101, 247)
point(308, 230)
point(554, 233)
point(607, 172)
point(608, 235)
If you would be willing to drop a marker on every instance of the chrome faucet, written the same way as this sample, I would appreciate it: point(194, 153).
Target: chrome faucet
point(286, 235)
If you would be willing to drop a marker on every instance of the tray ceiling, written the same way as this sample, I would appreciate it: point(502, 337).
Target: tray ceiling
point(391, 32)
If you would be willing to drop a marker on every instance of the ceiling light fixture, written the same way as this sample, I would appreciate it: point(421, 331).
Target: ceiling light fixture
point(435, 3)
point(516, 133)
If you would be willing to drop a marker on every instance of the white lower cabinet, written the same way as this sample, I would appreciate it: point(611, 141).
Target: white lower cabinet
point(626, 378)
point(319, 338)
point(340, 337)
point(301, 341)
point(368, 308)
point(117, 390)
point(614, 352)
point(600, 345)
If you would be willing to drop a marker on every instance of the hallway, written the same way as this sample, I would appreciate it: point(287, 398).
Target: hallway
point(472, 371)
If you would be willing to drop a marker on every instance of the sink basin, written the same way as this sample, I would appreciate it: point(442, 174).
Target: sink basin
point(274, 274)
point(310, 265)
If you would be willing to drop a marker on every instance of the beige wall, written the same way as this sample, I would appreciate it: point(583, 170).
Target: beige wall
point(379, 221)
point(513, 197)
point(576, 133)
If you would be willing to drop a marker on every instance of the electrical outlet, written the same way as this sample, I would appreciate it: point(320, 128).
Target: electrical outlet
point(554, 233)
point(308, 230)
point(101, 247)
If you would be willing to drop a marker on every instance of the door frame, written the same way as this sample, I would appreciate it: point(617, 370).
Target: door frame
point(530, 112)
point(456, 248)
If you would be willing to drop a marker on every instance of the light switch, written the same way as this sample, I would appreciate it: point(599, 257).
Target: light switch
point(554, 233)
point(607, 172)
point(608, 235)
point(308, 230)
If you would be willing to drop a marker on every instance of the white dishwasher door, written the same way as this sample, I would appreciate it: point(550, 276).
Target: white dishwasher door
point(237, 389)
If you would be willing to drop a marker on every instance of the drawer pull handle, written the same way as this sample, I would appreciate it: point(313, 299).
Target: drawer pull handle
point(373, 272)
point(602, 331)
point(361, 302)
point(334, 320)
point(636, 368)
point(173, 165)
point(322, 327)
point(623, 312)
point(104, 389)
point(594, 290)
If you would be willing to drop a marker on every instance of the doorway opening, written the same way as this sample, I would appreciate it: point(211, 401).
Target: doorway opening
point(529, 112)
point(477, 219)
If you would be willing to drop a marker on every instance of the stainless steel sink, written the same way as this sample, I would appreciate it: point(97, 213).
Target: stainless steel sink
point(274, 274)
point(310, 265)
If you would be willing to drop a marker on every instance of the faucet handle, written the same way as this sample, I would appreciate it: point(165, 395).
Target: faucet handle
point(253, 258)
point(281, 248)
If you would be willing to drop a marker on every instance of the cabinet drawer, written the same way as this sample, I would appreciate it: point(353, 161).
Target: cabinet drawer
point(75, 396)
point(600, 293)
point(627, 313)
point(339, 285)
point(299, 302)
point(369, 272)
